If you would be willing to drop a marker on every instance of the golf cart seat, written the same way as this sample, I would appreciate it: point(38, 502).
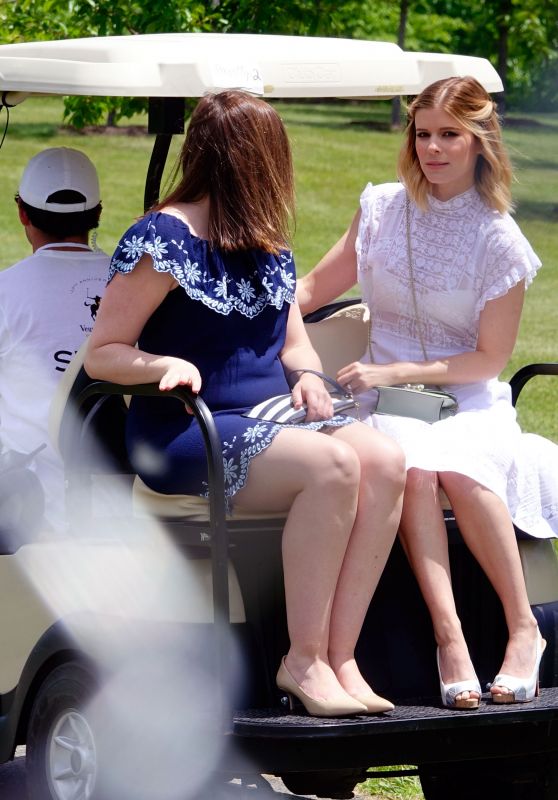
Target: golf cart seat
point(339, 334)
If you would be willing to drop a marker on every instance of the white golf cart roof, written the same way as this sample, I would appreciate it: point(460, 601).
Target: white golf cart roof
point(191, 64)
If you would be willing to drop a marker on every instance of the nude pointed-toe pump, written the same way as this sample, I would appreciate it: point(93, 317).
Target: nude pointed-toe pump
point(316, 708)
point(373, 702)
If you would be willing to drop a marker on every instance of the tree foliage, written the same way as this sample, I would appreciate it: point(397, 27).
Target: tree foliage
point(35, 20)
point(519, 36)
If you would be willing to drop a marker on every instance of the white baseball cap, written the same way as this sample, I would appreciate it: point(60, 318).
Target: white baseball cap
point(55, 170)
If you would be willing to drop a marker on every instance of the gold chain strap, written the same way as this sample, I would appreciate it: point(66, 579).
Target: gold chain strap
point(413, 294)
point(412, 275)
point(412, 285)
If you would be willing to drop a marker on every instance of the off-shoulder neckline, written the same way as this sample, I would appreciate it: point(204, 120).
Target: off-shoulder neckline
point(180, 221)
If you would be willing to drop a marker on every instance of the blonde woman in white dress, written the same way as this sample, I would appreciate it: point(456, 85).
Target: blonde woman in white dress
point(470, 267)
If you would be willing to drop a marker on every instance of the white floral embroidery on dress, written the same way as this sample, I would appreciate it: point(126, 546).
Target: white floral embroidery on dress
point(221, 286)
point(156, 248)
point(134, 247)
point(254, 433)
point(248, 296)
point(259, 437)
point(245, 290)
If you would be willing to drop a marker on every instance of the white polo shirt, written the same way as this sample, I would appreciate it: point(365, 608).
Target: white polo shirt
point(48, 304)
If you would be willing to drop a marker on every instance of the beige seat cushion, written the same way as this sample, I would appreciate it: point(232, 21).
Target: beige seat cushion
point(340, 338)
point(146, 502)
point(60, 398)
point(540, 568)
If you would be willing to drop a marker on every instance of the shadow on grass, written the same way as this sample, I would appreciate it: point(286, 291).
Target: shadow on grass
point(526, 123)
point(337, 115)
point(546, 211)
point(30, 130)
point(537, 163)
point(357, 125)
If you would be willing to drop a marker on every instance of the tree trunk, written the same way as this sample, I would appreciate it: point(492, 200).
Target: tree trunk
point(396, 102)
point(503, 23)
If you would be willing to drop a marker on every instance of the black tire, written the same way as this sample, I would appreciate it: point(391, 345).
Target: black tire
point(338, 784)
point(61, 759)
point(533, 777)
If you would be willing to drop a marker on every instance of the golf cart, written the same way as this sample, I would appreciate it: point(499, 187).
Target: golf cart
point(139, 653)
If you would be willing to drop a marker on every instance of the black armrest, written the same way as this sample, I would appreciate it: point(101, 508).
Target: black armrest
point(523, 375)
point(326, 311)
point(216, 475)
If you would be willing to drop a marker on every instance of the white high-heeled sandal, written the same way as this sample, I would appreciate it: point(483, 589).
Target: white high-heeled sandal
point(521, 690)
point(450, 691)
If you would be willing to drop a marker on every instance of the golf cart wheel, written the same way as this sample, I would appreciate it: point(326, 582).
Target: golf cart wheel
point(529, 777)
point(338, 784)
point(61, 750)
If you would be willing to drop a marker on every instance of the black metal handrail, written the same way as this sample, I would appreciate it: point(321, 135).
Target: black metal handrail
point(523, 375)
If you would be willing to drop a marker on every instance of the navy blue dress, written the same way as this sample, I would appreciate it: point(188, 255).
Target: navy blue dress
point(227, 316)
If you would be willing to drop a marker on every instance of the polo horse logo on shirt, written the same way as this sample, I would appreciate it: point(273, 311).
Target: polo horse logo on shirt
point(93, 303)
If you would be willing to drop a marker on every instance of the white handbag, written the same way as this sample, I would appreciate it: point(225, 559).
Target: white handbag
point(419, 402)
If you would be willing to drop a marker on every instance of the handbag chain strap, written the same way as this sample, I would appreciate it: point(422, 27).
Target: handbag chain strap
point(412, 285)
point(412, 276)
point(342, 390)
point(413, 294)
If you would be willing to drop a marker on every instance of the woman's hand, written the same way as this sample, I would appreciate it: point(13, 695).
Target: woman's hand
point(180, 373)
point(358, 378)
point(498, 326)
point(310, 391)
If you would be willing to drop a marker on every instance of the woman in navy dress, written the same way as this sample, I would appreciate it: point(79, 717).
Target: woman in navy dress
point(205, 285)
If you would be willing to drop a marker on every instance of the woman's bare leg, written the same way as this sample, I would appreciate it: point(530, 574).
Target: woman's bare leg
point(424, 537)
point(317, 478)
point(383, 474)
point(487, 528)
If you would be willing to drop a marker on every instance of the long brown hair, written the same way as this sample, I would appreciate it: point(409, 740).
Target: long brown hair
point(473, 109)
point(236, 152)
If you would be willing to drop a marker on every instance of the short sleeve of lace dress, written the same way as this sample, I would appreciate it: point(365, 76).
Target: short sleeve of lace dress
point(509, 260)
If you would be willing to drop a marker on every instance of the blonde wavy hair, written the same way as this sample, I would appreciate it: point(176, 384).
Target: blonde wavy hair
point(473, 109)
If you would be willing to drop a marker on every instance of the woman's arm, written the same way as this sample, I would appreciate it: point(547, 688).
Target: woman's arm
point(333, 275)
point(298, 353)
point(128, 303)
point(498, 327)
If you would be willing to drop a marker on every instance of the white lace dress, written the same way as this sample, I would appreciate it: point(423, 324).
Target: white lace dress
point(464, 254)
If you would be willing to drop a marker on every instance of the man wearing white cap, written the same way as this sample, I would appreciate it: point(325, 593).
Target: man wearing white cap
point(48, 303)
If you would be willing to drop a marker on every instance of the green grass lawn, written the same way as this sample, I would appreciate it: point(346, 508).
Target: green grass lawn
point(337, 149)
point(404, 788)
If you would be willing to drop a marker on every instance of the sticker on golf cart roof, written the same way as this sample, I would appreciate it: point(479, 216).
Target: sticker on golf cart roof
point(312, 73)
point(390, 89)
point(237, 76)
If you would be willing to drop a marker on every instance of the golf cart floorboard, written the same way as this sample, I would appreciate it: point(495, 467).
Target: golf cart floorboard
point(407, 716)
point(411, 734)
